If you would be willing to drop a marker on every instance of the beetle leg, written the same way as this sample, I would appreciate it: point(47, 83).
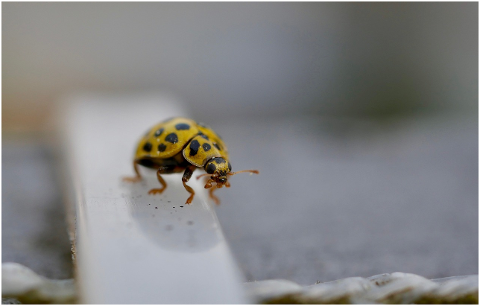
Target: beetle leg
point(136, 178)
point(208, 183)
point(160, 179)
point(186, 177)
point(214, 198)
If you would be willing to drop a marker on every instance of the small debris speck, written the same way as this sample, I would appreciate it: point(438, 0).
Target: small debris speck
point(181, 206)
point(156, 207)
point(149, 204)
point(168, 227)
point(173, 206)
point(190, 222)
point(169, 201)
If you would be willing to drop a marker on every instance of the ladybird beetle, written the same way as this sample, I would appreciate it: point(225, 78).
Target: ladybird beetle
point(181, 144)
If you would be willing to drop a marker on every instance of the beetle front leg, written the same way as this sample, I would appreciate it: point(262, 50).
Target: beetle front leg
point(212, 196)
point(186, 177)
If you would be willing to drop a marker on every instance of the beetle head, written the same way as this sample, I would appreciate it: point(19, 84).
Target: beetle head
point(218, 168)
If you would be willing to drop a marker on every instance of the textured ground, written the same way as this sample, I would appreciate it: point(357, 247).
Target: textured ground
point(337, 199)
point(334, 199)
point(33, 223)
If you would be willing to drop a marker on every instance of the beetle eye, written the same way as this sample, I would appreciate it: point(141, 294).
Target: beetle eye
point(211, 168)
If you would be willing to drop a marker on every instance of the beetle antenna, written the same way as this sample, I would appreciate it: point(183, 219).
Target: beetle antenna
point(205, 174)
point(251, 171)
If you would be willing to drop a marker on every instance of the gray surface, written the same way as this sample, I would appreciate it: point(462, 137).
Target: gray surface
point(33, 225)
point(334, 199)
point(337, 199)
point(225, 59)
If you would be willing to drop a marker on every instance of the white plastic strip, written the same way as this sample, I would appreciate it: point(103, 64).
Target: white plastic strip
point(132, 247)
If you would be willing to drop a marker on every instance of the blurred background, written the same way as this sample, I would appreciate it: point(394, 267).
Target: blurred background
point(361, 117)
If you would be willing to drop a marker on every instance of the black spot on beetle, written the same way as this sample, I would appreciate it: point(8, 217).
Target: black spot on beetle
point(158, 132)
point(162, 147)
point(147, 147)
point(203, 136)
point(194, 146)
point(182, 126)
point(206, 147)
point(172, 138)
point(217, 146)
point(211, 168)
point(229, 166)
point(219, 160)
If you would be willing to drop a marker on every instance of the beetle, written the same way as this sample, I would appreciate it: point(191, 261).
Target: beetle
point(182, 145)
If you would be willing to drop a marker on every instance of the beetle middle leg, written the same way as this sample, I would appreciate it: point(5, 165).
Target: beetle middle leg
point(161, 180)
point(186, 177)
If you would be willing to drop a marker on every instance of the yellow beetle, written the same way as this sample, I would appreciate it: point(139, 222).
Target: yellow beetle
point(181, 144)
